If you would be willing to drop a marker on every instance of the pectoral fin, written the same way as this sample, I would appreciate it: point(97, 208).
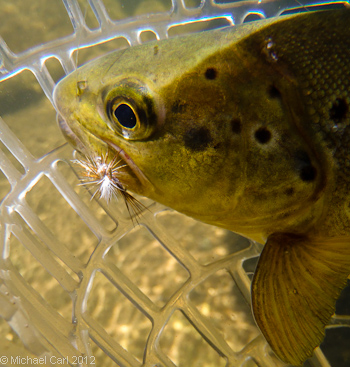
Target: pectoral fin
point(294, 290)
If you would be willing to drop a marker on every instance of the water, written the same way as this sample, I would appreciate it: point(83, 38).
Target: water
point(78, 281)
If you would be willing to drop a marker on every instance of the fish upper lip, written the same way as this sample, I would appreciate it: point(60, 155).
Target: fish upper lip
point(79, 146)
point(69, 134)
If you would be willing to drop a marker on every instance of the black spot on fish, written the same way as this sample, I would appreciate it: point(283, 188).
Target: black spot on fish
point(262, 135)
point(307, 172)
point(236, 126)
point(155, 50)
point(178, 107)
point(211, 73)
point(339, 110)
point(197, 139)
point(274, 92)
point(290, 191)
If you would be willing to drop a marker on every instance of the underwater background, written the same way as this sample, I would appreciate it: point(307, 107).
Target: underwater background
point(77, 278)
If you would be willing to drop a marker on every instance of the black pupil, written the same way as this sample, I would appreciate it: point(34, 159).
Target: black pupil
point(125, 115)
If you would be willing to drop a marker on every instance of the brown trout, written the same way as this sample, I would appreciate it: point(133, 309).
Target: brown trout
point(246, 128)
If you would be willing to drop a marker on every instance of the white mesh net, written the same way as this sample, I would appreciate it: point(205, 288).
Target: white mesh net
point(80, 285)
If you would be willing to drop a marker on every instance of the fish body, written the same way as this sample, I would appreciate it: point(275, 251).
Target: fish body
point(245, 128)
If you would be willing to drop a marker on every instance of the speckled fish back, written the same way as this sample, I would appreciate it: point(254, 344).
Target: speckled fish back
point(317, 61)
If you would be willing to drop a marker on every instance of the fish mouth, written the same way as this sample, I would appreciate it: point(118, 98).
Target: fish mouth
point(129, 162)
point(135, 181)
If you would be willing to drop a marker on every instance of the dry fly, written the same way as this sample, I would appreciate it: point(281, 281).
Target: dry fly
point(104, 175)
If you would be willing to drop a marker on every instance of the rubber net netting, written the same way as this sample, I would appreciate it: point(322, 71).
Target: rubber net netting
point(81, 284)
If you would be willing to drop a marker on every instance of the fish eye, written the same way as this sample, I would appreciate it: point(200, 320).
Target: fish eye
point(131, 109)
point(125, 115)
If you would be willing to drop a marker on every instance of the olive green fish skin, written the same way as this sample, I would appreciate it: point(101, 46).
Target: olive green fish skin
point(208, 130)
point(246, 128)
